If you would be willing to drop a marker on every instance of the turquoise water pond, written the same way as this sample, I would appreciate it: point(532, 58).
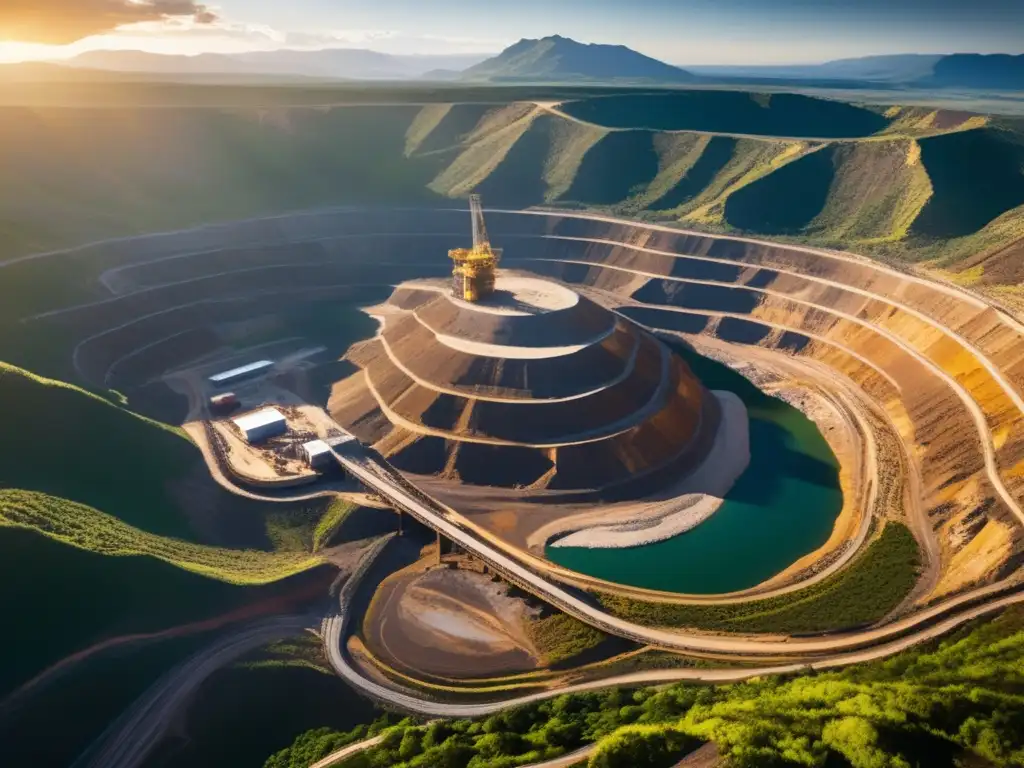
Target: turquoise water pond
point(782, 507)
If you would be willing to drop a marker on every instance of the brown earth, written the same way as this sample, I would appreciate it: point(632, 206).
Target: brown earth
point(910, 346)
point(448, 623)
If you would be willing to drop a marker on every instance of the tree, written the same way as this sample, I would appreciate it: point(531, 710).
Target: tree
point(411, 744)
point(642, 747)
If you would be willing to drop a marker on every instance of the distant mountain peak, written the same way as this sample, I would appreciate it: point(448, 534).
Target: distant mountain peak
point(556, 57)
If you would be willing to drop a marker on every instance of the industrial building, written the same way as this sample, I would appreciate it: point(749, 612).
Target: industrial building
point(318, 454)
point(250, 371)
point(261, 425)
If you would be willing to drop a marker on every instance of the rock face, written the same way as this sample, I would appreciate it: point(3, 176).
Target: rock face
point(536, 387)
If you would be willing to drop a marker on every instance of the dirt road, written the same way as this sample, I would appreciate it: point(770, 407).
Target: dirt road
point(914, 631)
point(129, 739)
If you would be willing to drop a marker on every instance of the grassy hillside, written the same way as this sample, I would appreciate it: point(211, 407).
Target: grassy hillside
point(877, 190)
point(785, 201)
point(66, 442)
point(82, 608)
point(91, 530)
point(976, 177)
point(82, 581)
point(731, 112)
point(910, 182)
point(151, 585)
point(864, 592)
point(149, 169)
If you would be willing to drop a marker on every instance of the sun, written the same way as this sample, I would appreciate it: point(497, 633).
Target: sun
point(11, 52)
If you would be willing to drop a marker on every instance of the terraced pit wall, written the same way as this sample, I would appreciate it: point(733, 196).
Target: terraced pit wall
point(945, 369)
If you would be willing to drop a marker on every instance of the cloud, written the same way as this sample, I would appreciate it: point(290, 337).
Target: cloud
point(66, 21)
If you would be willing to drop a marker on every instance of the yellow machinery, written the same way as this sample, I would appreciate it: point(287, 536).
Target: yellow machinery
point(475, 268)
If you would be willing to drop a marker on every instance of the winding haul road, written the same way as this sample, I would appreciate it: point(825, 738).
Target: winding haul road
point(334, 628)
point(376, 474)
point(128, 740)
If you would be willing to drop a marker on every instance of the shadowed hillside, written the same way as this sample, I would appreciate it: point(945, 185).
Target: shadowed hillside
point(920, 182)
point(977, 176)
point(731, 112)
point(617, 166)
point(90, 438)
point(877, 190)
point(148, 169)
point(442, 126)
point(68, 600)
point(786, 201)
point(713, 156)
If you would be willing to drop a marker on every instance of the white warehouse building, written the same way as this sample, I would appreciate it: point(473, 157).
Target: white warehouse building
point(318, 454)
point(262, 424)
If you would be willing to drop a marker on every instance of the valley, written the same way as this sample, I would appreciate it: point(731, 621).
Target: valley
point(842, 276)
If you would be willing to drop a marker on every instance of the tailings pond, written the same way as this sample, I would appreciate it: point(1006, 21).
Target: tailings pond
point(783, 507)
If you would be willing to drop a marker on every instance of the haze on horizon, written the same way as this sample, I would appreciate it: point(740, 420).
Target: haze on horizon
point(688, 32)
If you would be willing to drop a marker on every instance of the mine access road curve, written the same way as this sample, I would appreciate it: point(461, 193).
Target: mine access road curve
point(374, 472)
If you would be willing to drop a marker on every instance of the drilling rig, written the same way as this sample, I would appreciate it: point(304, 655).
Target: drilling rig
point(474, 271)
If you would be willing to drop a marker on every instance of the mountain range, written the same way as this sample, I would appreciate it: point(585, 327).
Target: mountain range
point(333, 63)
point(560, 59)
point(956, 70)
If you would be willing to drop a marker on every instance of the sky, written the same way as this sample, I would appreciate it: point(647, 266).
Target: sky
point(678, 31)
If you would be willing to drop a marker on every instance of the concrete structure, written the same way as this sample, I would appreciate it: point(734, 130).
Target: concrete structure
point(241, 373)
point(318, 454)
point(261, 425)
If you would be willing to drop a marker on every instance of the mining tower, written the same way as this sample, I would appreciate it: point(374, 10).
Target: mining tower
point(474, 271)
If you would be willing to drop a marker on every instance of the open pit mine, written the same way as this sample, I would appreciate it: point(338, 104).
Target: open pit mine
point(528, 395)
point(636, 426)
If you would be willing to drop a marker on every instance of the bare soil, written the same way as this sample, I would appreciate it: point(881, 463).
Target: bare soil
point(449, 623)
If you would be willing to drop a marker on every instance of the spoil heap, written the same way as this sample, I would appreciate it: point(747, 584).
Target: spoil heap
point(535, 386)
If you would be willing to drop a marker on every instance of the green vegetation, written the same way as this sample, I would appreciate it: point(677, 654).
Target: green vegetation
point(750, 160)
point(317, 744)
point(678, 155)
point(862, 592)
point(788, 115)
point(63, 441)
point(180, 167)
point(969, 195)
point(786, 200)
point(878, 190)
point(293, 531)
point(618, 166)
point(935, 706)
point(425, 124)
point(303, 651)
point(92, 530)
point(66, 599)
point(484, 150)
point(905, 182)
point(330, 522)
point(243, 713)
point(560, 637)
point(262, 704)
